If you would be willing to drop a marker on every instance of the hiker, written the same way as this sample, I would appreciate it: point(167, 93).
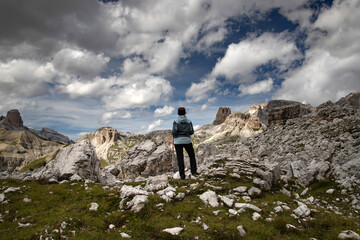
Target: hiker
point(181, 131)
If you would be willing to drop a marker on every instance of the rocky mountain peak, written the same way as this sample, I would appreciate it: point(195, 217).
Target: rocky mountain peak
point(221, 115)
point(12, 120)
point(103, 135)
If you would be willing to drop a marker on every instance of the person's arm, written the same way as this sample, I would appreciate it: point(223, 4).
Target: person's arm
point(173, 145)
point(191, 129)
point(174, 129)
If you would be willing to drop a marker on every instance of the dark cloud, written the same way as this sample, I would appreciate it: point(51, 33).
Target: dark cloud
point(48, 25)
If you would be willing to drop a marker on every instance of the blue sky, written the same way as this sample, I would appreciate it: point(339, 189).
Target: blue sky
point(75, 66)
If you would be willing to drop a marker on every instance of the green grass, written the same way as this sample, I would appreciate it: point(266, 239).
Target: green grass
point(69, 202)
point(34, 164)
point(103, 163)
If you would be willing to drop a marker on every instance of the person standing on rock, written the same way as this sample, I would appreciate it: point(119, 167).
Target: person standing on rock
point(181, 131)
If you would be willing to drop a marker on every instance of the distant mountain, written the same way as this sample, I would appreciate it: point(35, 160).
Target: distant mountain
point(14, 122)
point(20, 146)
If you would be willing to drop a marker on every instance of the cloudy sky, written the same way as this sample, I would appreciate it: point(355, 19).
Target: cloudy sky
point(77, 65)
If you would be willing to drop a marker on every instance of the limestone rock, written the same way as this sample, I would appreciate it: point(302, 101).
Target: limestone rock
point(348, 234)
point(240, 189)
point(148, 159)
point(247, 206)
point(94, 207)
point(79, 158)
point(256, 216)
point(210, 197)
point(137, 203)
point(260, 111)
point(129, 191)
point(330, 191)
point(2, 197)
point(221, 115)
point(228, 201)
point(262, 184)
point(254, 191)
point(173, 231)
point(241, 230)
point(125, 235)
point(302, 211)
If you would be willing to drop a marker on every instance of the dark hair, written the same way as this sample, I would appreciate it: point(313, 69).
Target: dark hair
point(181, 111)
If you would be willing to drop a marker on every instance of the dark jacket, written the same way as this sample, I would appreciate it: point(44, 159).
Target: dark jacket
point(182, 129)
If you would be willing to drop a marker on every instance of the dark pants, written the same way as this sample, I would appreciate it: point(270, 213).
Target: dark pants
point(180, 158)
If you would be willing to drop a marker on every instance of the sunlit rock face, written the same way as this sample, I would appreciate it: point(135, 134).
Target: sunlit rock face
point(77, 160)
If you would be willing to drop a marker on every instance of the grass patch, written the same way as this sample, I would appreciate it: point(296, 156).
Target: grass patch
point(38, 163)
point(54, 204)
point(103, 163)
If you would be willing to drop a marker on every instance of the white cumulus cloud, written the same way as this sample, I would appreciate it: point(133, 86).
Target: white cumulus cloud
point(108, 117)
point(164, 111)
point(331, 67)
point(155, 124)
point(256, 88)
point(241, 59)
point(202, 90)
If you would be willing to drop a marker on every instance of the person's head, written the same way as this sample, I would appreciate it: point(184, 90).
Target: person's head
point(181, 111)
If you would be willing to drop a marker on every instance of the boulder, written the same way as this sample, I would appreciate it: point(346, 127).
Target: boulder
point(247, 206)
point(173, 231)
point(79, 158)
point(302, 211)
point(241, 230)
point(348, 234)
point(148, 159)
point(210, 198)
point(137, 203)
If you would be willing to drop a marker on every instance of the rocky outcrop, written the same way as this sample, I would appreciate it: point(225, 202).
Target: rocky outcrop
point(110, 145)
point(260, 111)
point(321, 145)
point(353, 99)
point(279, 111)
point(236, 125)
point(150, 157)
point(221, 115)
point(75, 162)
